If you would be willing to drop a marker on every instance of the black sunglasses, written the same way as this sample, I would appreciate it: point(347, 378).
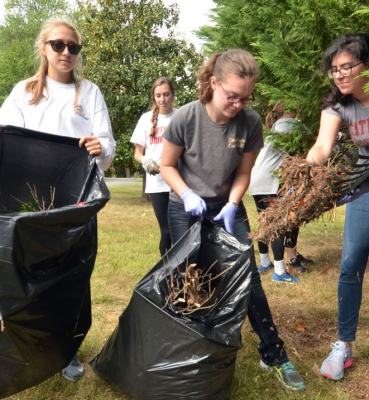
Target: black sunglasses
point(59, 46)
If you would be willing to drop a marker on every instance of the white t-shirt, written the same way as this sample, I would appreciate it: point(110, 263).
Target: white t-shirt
point(56, 114)
point(153, 146)
point(269, 159)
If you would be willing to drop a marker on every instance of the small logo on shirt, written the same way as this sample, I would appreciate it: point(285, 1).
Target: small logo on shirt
point(78, 109)
point(234, 142)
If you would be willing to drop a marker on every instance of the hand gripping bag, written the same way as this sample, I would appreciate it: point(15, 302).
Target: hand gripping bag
point(46, 257)
point(156, 353)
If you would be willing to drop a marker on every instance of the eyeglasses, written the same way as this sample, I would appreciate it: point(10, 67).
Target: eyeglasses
point(234, 99)
point(344, 71)
point(59, 46)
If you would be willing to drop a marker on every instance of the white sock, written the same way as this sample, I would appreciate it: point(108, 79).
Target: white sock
point(279, 267)
point(264, 260)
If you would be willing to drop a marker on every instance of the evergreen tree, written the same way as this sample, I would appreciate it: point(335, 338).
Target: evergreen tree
point(288, 38)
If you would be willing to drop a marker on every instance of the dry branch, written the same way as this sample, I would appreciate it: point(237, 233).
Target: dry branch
point(307, 192)
point(34, 204)
point(192, 290)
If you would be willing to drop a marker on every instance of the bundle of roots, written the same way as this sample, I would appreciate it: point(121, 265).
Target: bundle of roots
point(308, 191)
point(192, 290)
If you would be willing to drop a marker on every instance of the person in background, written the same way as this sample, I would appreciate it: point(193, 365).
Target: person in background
point(209, 150)
point(148, 140)
point(347, 101)
point(264, 188)
point(57, 101)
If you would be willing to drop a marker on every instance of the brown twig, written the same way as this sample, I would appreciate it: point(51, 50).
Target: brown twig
point(41, 205)
point(192, 289)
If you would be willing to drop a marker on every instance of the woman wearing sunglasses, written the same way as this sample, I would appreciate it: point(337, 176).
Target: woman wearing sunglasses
point(347, 102)
point(209, 149)
point(58, 102)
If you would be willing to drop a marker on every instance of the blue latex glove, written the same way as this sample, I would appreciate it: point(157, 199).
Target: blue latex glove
point(348, 197)
point(193, 203)
point(227, 214)
point(290, 191)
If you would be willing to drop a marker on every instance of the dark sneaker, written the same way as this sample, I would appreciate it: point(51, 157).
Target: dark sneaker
point(339, 359)
point(286, 374)
point(265, 269)
point(302, 260)
point(74, 370)
point(286, 278)
point(296, 265)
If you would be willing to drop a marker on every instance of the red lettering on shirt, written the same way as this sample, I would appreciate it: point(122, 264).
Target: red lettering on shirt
point(353, 129)
point(156, 139)
point(361, 124)
point(160, 129)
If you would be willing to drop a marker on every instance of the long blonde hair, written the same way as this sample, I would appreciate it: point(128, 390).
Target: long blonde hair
point(232, 62)
point(37, 83)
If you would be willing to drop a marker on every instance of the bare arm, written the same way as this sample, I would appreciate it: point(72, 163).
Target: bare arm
point(168, 168)
point(322, 149)
point(242, 177)
point(139, 150)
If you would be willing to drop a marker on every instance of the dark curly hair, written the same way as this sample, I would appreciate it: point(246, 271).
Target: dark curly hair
point(355, 43)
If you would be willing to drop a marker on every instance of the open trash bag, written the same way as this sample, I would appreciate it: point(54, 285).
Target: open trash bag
point(46, 257)
point(157, 352)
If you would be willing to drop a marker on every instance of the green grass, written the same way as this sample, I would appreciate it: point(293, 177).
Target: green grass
point(128, 249)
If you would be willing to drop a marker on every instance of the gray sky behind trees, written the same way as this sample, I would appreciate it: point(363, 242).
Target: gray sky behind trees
point(193, 14)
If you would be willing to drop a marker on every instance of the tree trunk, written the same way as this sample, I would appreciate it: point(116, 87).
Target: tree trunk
point(144, 197)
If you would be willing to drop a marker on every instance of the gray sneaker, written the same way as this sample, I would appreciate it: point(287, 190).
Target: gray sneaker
point(286, 374)
point(339, 358)
point(74, 370)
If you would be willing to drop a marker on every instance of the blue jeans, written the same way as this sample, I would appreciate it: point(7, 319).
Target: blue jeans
point(354, 259)
point(271, 347)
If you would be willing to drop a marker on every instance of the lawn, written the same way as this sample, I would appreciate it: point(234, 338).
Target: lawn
point(305, 313)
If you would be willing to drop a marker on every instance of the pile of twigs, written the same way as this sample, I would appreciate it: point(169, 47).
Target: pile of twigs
point(307, 192)
point(35, 204)
point(192, 290)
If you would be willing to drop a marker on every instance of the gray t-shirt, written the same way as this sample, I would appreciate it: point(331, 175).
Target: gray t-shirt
point(263, 181)
point(212, 151)
point(356, 117)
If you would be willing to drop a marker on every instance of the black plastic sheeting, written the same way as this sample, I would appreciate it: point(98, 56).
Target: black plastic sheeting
point(46, 257)
point(154, 352)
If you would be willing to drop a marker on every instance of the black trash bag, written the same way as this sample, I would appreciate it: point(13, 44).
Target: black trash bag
point(46, 257)
point(156, 353)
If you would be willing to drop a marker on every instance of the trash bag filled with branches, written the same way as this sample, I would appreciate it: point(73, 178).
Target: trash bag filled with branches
point(50, 193)
point(180, 334)
point(309, 190)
